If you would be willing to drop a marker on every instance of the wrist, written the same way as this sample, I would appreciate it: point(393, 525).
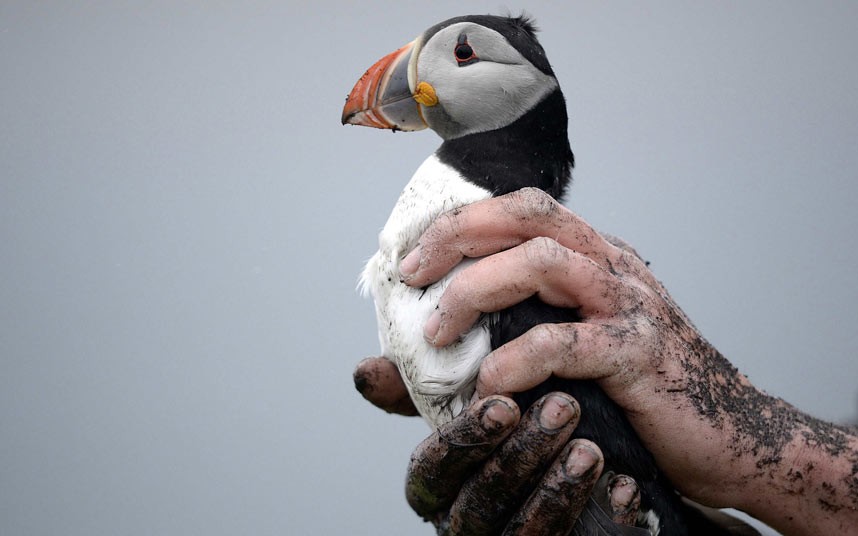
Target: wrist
point(812, 486)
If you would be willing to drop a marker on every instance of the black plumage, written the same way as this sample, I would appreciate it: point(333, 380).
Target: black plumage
point(534, 151)
point(505, 128)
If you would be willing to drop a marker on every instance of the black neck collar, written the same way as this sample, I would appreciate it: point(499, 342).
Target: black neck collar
point(532, 151)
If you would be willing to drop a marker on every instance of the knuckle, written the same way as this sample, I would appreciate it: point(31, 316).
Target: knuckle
point(546, 339)
point(626, 249)
point(630, 255)
point(537, 201)
point(544, 253)
point(490, 375)
point(445, 227)
point(529, 203)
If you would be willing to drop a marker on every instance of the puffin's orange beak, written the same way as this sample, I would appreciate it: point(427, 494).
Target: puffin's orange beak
point(383, 98)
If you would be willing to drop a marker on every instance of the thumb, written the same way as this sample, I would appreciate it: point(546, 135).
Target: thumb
point(378, 380)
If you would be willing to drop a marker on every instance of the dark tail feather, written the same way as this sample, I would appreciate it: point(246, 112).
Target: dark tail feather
point(594, 521)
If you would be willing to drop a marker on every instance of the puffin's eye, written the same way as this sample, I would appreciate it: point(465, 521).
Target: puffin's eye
point(464, 53)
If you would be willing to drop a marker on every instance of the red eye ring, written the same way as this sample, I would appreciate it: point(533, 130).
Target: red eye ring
point(464, 53)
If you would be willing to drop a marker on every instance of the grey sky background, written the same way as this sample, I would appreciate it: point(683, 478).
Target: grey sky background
point(183, 219)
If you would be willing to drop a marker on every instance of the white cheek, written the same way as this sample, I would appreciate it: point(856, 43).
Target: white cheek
point(487, 96)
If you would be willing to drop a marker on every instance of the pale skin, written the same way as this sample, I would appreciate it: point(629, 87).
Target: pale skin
point(719, 439)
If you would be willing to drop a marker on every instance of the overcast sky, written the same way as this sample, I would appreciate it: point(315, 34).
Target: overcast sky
point(182, 222)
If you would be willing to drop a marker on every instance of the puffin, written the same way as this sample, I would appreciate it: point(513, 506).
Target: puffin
point(484, 84)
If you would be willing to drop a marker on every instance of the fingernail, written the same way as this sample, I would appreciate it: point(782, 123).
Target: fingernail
point(410, 264)
point(623, 490)
point(581, 461)
point(430, 330)
point(497, 415)
point(556, 412)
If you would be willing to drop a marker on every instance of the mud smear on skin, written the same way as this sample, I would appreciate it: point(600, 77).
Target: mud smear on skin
point(533, 448)
point(762, 425)
point(439, 459)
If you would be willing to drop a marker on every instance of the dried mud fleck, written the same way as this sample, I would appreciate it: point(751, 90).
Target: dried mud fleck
point(762, 426)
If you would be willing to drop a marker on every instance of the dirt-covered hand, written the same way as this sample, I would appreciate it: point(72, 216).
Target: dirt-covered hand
point(487, 472)
point(455, 474)
point(718, 438)
point(633, 340)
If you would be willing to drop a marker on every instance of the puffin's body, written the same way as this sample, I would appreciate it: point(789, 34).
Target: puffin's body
point(484, 85)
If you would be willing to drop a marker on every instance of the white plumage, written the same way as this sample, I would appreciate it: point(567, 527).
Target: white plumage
point(430, 373)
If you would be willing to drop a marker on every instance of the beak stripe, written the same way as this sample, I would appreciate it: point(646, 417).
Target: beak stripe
point(382, 97)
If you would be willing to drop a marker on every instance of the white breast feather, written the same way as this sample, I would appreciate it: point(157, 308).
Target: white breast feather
point(440, 380)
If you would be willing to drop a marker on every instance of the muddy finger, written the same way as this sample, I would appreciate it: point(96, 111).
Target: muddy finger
point(625, 499)
point(492, 225)
point(554, 506)
point(503, 484)
point(444, 460)
point(540, 267)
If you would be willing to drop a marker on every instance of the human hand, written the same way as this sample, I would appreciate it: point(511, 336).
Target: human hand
point(633, 340)
point(719, 439)
point(489, 471)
